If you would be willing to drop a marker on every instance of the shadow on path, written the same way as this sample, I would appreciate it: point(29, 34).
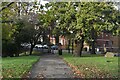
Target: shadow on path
point(51, 66)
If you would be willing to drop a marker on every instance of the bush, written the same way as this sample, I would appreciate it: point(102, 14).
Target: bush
point(10, 49)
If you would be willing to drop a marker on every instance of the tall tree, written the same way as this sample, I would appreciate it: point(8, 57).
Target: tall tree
point(85, 19)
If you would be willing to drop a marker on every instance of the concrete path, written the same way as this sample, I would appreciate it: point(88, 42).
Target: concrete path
point(51, 66)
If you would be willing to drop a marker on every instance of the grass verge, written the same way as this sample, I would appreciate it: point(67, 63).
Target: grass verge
point(28, 52)
point(93, 66)
point(16, 67)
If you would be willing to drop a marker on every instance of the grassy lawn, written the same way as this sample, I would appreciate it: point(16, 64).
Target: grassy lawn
point(94, 66)
point(16, 67)
point(28, 52)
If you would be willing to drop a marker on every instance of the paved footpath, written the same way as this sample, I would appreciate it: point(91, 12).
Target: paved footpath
point(51, 66)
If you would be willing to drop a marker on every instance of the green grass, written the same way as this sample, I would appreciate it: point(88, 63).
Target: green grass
point(92, 66)
point(28, 52)
point(16, 67)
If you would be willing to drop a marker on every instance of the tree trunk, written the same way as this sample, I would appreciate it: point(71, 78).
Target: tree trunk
point(31, 49)
point(93, 35)
point(18, 48)
point(18, 51)
point(72, 46)
point(57, 39)
point(69, 46)
point(44, 36)
point(33, 42)
point(79, 47)
point(93, 48)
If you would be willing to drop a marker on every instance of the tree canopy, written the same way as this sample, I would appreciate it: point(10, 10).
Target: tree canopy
point(28, 22)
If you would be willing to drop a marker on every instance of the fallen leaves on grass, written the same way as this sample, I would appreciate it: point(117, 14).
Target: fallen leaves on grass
point(88, 71)
point(76, 71)
point(93, 71)
point(11, 72)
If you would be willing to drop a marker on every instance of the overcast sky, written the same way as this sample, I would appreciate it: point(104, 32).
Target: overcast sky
point(43, 2)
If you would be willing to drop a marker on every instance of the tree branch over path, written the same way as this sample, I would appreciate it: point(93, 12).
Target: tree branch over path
point(6, 6)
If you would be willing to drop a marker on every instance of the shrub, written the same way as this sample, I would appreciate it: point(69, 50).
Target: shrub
point(10, 49)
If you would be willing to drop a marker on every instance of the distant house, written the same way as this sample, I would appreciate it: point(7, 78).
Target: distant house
point(52, 40)
point(62, 40)
point(108, 41)
point(104, 40)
